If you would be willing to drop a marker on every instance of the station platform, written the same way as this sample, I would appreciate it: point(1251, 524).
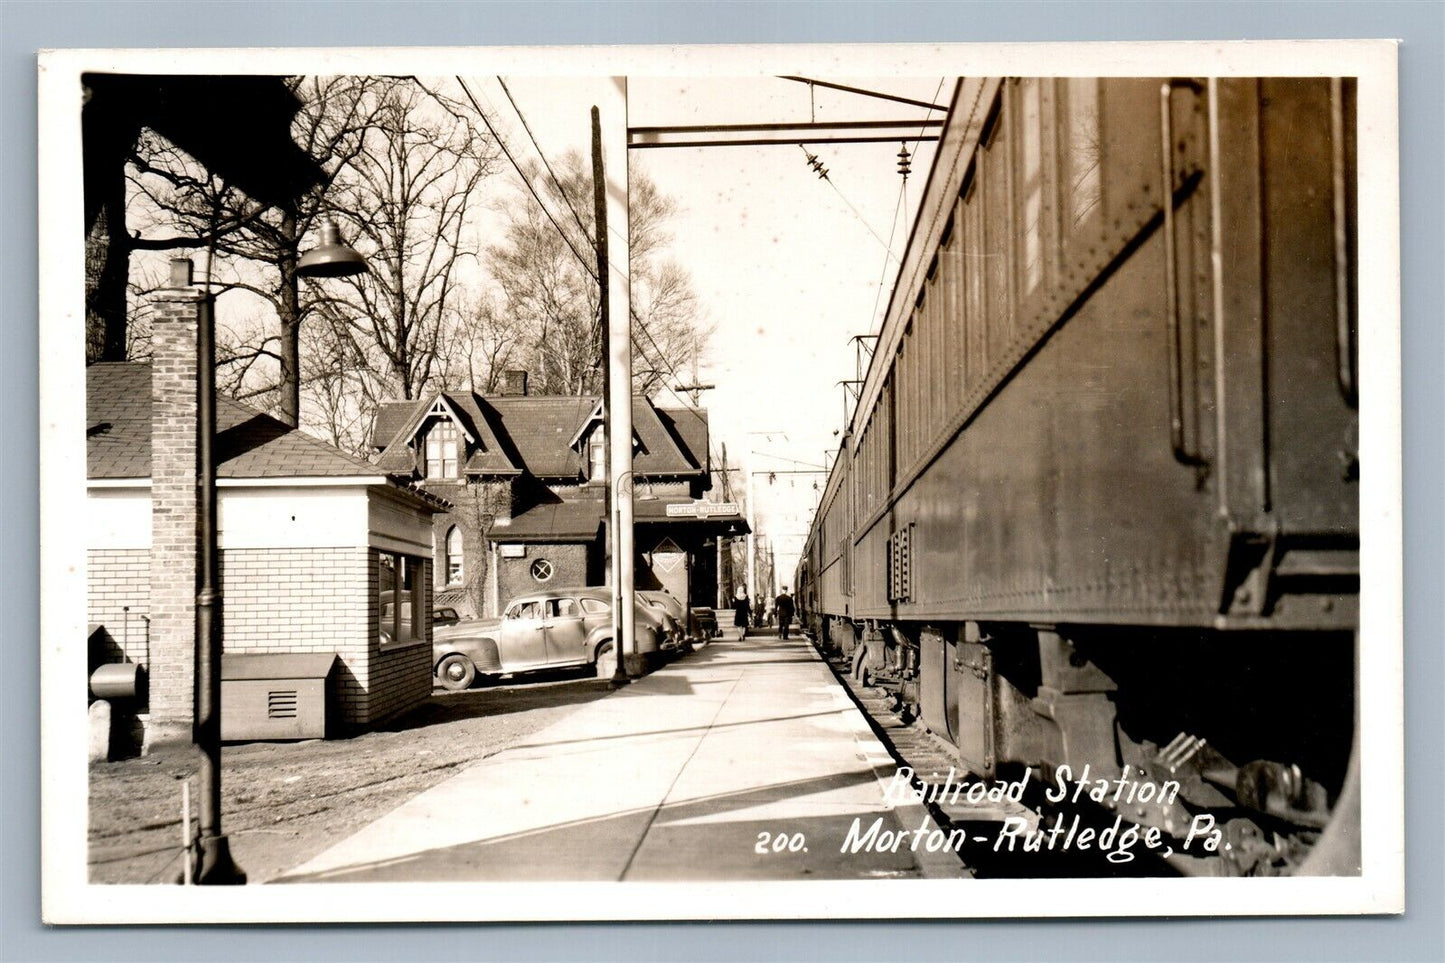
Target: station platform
point(744, 760)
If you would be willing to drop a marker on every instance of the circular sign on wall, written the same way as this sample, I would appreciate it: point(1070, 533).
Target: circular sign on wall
point(541, 570)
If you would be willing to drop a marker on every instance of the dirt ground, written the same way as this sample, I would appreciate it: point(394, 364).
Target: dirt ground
point(283, 803)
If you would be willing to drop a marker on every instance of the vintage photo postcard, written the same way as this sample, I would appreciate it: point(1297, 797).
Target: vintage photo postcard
point(680, 483)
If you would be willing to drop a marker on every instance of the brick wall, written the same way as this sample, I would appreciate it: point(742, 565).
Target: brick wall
point(281, 600)
point(323, 600)
point(478, 504)
point(117, 578)
point(173, 511)
point(400, 676)
point(569, 562)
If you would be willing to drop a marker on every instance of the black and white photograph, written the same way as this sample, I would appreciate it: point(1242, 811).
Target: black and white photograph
point(548, 484)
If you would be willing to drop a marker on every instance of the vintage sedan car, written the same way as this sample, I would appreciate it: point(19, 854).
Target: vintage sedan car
point(672, 614)
point(445, 615)
point(542, 630)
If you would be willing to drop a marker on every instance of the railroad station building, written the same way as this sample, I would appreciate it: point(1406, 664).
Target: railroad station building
point(525, 475)
point(315, 544)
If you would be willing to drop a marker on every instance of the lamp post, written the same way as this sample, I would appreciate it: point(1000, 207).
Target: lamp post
point(214, 864)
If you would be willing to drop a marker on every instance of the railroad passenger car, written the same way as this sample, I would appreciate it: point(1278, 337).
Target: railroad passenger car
point(1097, 504)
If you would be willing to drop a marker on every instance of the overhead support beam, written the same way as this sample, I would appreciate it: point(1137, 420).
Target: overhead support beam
point(867, 93)
point(763, 135)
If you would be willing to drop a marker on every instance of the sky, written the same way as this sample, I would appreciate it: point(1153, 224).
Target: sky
point(786, 267)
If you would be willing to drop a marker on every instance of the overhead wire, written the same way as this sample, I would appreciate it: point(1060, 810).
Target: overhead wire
point(659, 355)
point(899, 205)
point(556, 181)
point(591, 272)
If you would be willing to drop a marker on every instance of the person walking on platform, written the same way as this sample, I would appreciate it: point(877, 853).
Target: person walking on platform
point(742, 613)
point(783, 605)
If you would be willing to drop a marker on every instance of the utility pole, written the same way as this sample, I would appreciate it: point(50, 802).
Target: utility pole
point(604, 343)
point(726, 586)
point(613, 263)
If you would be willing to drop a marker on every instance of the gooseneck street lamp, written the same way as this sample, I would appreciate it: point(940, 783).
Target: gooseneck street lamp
point(214, 864)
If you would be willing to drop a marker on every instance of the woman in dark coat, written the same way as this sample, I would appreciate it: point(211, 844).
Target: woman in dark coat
point(742, 614)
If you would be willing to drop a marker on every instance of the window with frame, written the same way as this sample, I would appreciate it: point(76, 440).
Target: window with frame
point(531, 609)
point(597, 457)
point(1082, 152)
point(442, 444)
point(453, 558)
point(562, 608)
point(400, 604)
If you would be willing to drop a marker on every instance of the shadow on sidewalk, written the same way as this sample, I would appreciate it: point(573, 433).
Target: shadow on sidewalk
point(690, 840)
point(537, 691)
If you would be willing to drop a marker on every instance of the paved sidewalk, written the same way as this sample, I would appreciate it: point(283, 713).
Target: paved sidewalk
point(679, 776)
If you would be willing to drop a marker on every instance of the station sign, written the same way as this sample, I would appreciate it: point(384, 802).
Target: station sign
point(702, 509)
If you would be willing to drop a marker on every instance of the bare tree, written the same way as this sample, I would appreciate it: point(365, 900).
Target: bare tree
point(252, 246)
point(545, 285)
point(407, 197)
point(478, 505)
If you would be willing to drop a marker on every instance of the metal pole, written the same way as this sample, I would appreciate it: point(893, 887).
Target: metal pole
point(604, 335)
point(752, 544)
point(619, 337)
point(214, 864)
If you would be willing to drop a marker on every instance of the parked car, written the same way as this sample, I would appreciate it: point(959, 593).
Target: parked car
point(445, 615)
point(704, 622)
point(674, 616)
point(542, 630)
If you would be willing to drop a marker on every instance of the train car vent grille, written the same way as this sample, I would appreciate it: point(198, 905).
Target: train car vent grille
point(281, 704)
point(900, 565)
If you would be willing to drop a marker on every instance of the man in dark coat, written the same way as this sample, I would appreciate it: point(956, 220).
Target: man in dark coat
point(783, 605)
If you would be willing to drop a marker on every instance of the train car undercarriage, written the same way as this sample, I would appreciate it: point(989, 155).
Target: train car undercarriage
point(1235, 747)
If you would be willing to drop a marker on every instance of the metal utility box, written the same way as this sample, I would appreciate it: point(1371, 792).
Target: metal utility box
point(281, 696)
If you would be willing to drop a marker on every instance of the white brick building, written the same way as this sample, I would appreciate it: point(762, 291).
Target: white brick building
point(315, 545)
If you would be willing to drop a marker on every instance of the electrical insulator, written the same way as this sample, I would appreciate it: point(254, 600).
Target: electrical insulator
point(903, 158)
point(816, 164)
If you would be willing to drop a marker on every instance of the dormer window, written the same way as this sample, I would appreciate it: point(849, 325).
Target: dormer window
point(441, 449)
point(597, 458)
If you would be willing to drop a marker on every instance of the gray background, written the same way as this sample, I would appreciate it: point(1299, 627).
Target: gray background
point(28, 26)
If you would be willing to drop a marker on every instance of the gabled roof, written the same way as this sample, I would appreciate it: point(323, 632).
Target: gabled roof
point(689, 427)
point(543, 429)
point(537, 433)
point(405, 418)
point(249, 444)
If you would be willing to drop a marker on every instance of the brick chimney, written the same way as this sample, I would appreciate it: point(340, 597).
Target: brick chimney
point(514, 383)
point(173, 576)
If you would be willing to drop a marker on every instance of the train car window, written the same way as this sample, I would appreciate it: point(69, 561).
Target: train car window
point(906, 423)
point(1082, 151)
point(998, 238)
point(932, 350)
point(1030, 184)
point(950, 388)
point(974, 324)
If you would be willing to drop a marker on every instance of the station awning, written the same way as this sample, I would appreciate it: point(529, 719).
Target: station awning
point(581, 520)
point(567, 521)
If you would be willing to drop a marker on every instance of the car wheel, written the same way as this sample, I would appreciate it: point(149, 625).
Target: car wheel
point(456, 672)
point(606, 661)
